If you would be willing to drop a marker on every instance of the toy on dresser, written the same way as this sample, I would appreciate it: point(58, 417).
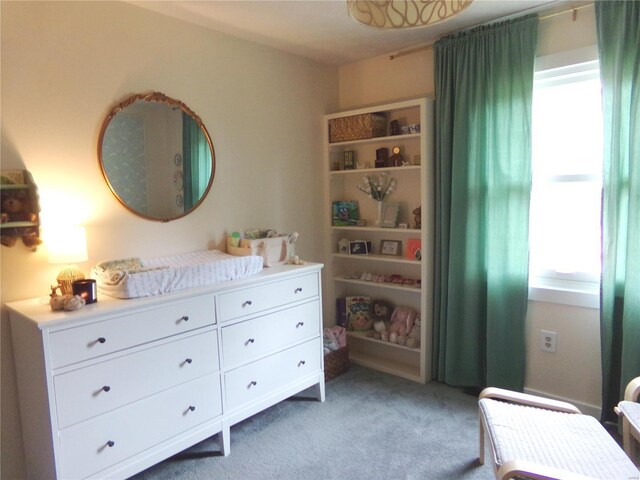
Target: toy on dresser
point(65, 302)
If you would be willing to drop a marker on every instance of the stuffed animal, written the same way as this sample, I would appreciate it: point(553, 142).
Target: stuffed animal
point(381, 312)
point(402, 320)
point(15, 208)
point(66, 302)
point(417, 216)
point(413, 339)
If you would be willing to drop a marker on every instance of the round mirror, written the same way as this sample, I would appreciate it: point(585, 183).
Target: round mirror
point(156, 156)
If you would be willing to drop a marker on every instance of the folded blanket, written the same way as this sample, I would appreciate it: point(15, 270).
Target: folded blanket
point(111, 272)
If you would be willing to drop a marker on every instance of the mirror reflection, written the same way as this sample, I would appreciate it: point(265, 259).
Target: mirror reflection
point(156, 156)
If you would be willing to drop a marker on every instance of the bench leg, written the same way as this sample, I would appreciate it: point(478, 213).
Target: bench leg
point(481, 455)
point(628, 441)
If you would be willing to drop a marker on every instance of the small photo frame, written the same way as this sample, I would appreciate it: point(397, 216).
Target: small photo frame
point(358, 247)
point(349, 160)
point(390, 247)
point(389, 215)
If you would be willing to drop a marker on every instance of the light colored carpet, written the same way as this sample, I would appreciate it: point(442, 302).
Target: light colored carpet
point(371, 426)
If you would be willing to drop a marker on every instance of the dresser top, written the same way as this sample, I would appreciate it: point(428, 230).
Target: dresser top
point(37, 310)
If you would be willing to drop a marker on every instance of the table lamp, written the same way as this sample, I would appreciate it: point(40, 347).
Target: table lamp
point(67, 245)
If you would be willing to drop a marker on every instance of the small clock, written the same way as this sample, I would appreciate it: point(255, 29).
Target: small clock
point(396, 160)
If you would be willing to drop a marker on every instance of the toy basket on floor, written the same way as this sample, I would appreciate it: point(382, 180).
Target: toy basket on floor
point(336, 363)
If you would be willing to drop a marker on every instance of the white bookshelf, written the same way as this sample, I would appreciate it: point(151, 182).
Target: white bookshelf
point(414, 188)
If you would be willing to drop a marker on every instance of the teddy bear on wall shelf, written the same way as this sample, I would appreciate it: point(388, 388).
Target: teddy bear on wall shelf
point(16, 208)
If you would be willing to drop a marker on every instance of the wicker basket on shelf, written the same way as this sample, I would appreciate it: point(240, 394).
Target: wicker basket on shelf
point(336, 363)
point(357, 127)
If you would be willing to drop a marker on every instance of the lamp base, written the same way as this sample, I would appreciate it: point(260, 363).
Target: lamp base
point(67, 276)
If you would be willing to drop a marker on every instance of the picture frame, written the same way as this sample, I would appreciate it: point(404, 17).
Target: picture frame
point(389, 215)
point(391, 247)
point(358, 247)
point(349, 160)
point(345, 213)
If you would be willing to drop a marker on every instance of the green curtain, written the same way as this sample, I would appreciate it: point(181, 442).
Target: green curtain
point(197, 162)
point(618, 25)
point(483, 90)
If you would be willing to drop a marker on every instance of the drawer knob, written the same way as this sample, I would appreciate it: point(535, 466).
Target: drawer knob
point(102, 340)
point(299, 324)
point(298, 290)
point(185, 318)
point(253, 383)
point(247, 303)
point(110, 443)
point(106, 388)
point(251, 340)
point(188, 360)
point(301, 362)
point(192, 408)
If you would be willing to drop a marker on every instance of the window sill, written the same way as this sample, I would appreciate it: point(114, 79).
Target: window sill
point(577, 294)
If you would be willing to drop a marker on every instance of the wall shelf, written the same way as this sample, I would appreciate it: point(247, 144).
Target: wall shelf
point(20, 185)
point(385, 139)
point(414, 231)
point(390, 286)
point(377, 258)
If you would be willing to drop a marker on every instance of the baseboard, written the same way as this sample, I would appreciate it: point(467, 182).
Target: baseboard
point(592, 410)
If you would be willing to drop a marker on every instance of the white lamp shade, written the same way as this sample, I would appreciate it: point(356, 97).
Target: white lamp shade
point(66, 244)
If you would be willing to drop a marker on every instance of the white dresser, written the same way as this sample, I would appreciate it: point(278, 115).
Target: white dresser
point(120, 385)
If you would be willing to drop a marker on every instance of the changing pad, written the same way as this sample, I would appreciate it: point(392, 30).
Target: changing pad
point(138, 277)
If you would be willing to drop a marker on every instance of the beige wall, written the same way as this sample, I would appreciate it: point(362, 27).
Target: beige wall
point(64, 65)
point(574, 371)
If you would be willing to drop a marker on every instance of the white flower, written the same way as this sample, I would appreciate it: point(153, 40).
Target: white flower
point(377, 188)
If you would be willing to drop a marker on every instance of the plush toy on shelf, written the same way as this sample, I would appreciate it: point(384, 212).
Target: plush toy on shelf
point(381, 313)
point(402, 320)
point(15, 208)
point(413, 339)
point(417, 216)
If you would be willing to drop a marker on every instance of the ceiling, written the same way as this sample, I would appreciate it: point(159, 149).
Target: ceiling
point(322, 30)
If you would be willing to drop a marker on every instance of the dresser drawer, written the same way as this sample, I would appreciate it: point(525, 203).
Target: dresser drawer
point(132, 429)
point(245, 341)
point(263, 297)
point(260, 378)
point(91, 340)
point(99, 388)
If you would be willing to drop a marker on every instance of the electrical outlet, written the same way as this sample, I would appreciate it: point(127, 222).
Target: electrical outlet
point(548, 341)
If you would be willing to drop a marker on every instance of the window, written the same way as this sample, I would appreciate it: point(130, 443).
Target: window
point(567, 177)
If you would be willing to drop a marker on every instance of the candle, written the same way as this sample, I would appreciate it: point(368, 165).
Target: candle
point(86, 289)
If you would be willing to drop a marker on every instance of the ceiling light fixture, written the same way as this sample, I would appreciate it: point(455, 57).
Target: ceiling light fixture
point(390, 14)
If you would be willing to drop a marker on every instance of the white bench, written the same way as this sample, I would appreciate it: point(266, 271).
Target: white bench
point(538, 438)
point(629, 410)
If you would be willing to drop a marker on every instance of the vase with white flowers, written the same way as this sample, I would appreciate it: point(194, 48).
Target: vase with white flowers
point(377, 188)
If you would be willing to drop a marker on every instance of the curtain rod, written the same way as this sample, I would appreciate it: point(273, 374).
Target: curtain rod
point(574, 10)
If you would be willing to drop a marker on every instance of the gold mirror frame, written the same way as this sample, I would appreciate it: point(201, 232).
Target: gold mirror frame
point(159, 98)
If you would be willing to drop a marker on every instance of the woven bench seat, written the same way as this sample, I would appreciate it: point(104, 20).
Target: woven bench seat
point(538, 438)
